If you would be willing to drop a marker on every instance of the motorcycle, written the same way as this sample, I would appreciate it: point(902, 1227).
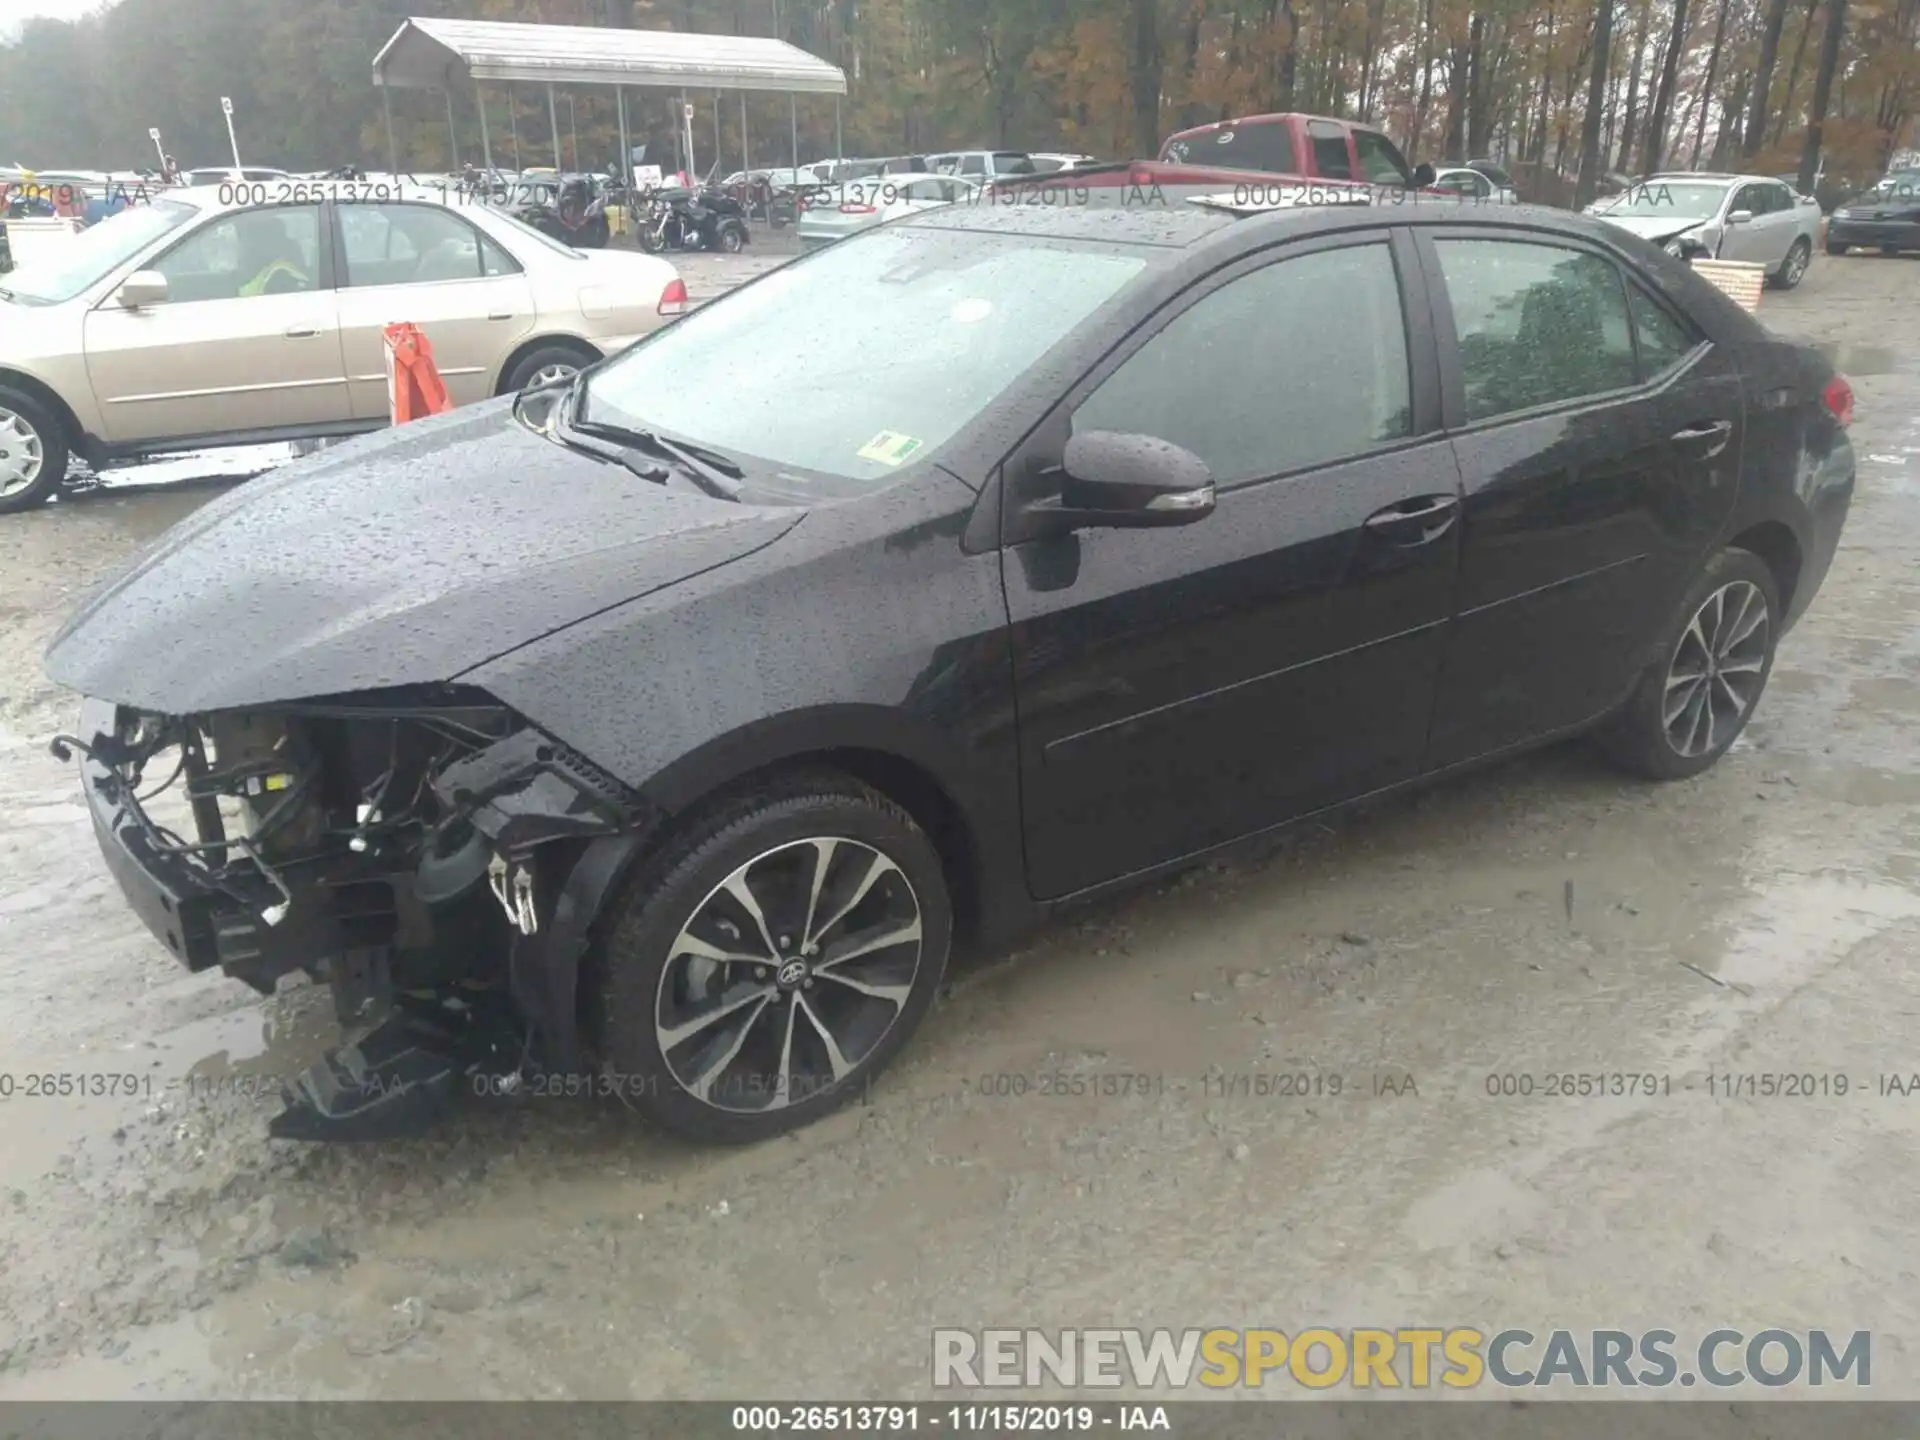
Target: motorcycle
point(576, 215)
point(704, 219)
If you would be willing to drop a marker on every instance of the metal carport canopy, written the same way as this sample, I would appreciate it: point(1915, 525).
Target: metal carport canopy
point(422, 52)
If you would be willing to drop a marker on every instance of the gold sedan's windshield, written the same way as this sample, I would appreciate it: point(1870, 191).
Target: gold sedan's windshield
point(95, 252)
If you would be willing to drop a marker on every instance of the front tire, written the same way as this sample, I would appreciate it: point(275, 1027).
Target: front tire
point(731, 239)
point(1835, 247)
point(760, 970)
point(1691, 705)
point(33, 452)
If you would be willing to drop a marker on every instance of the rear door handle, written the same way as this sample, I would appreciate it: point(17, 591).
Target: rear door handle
point(1705, 440)
point(501, 315)
point(301, 332)
point(1418, 521)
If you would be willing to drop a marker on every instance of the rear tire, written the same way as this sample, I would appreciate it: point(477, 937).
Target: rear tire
point(1794, 267)
point(1834, 247)
point(1692, 704)
point(33, 452)
point(731, 239)
point(731, 1051)
point(543, 363)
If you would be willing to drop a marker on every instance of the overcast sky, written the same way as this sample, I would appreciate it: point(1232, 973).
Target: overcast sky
point(12, 12)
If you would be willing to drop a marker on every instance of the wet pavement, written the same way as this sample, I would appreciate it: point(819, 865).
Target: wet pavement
point(1544, 917)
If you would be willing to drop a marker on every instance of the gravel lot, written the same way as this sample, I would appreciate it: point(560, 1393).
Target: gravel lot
point(1544, 916)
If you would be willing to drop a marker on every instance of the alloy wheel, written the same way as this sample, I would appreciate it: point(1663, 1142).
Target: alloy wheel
point(21, 454)
point(789, 974)
point(1715, 675)
point(549, 374)
point(1796, 264)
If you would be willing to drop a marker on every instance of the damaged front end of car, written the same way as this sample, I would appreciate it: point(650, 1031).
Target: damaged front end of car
point(425, 852)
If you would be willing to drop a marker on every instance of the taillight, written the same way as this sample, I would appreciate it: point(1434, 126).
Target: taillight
point(852, 209)
point(1838, 398)
point(673, 299)
point(1139, 177)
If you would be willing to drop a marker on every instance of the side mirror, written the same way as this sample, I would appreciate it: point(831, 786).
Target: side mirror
point(1116, 480)
point(141, 289)
point(1423, 175)
point(1740, 217)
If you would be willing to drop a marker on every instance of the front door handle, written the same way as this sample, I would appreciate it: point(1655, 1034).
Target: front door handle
point(1705, 440)
point(301, 332)
point(1418, 521)
point(501, 315)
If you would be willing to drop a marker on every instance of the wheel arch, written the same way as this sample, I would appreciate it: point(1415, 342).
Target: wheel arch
point(72, 430)
point(872, 745)
point(586, 349)
point(1780, 549)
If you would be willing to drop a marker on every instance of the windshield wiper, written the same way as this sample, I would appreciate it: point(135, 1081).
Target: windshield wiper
point(713, 472)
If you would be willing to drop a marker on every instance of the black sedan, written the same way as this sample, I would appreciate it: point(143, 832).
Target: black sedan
point(1886, 218)
point(656, 735)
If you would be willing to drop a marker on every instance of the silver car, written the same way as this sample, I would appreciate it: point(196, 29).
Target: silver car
point(199, 320)
point(1754, 218)
point(1471, 184)
point(862, 204)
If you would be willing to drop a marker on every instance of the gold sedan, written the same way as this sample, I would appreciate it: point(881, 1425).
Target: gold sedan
point(250, 313)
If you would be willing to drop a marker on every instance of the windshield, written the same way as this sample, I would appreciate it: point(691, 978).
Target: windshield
point(1682, 200)
point(96, 252)
point(1902, 184)
point(862, 356)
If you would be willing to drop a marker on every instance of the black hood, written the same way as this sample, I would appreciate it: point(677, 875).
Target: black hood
point(403, 557)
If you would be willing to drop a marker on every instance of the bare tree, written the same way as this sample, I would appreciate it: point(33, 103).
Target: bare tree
point(1633, 83)
point(1706, 86)
point(1793, 72)
point(1589, 180)
point(1763, 77)
point(1822, 92)
point(1656, 142)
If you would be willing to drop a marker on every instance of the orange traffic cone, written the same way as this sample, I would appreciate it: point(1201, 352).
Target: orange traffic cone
point(414, 386)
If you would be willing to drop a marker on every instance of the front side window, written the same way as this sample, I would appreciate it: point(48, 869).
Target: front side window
point(1537, 324)
point(274, 250)
point(1381, 162)
point(1230, 379)
point(973, 165)
point(978, 310)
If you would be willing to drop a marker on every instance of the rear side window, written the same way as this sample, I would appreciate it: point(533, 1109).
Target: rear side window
point(1229, 379)
point(1266, 147)
point(1330, 158)
point(1537, 324)
point(1664, 341)
point(1012, 162)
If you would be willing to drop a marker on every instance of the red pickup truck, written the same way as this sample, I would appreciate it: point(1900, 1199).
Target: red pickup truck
point(1254, 152)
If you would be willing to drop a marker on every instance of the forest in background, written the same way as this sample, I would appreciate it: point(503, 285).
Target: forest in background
point(1678, 83)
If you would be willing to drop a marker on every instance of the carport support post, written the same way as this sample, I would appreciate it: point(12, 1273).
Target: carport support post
point(626, 140)
point(453, 133)
point(553, 119)
point(745, 163)
point(716, 128)
point(486, 141)
point(793, 128)
point(839, 149)
point(386, 104)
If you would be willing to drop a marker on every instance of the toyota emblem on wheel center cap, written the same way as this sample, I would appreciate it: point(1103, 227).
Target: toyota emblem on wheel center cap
point(792, 973)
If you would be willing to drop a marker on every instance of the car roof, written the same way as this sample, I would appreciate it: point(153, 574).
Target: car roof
point(1182, 226)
